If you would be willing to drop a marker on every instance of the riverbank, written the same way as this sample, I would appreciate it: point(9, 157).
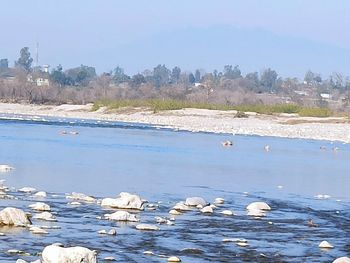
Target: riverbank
point(201, 120)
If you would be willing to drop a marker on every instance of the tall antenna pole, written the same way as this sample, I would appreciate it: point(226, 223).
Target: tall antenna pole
point(37, 55)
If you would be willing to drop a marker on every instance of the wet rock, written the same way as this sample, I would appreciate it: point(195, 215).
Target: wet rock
point(256, 213)
point(258, 206)
point(182, 207)
point(13, 216)
point(112, 232)
point(4, 168)
point(148, 252)
point(38, 230)
point(325, 244)
point(81, 197)
point(192, 250)
point(227, 212)
point(122, 216)
point(175, 212)
point(102, 232)
point(342, 260)
point(46, 216)
point(207, 210)
point(27, 190)
point(174, 259)
point(41, 194)
point(147, 227)
point(160, 220)
point(194, 201)
point(21, 261)
point(124, 201)
point(75, 203)
point(58, 254)
point(109, 259)
point(219, 200)
point(39, 206)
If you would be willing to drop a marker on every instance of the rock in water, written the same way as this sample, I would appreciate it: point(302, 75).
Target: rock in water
point(124, 201)
point(325, 244)
point(13, 217)
point(122, 216)
point(207, 210)
point(46, 216)
point(27, 189)
point(258, 206)
point(342, 260)
point(174, 259)
point(81, 197)
point(194, 201)
point(5, 168)
point(56, 254)
point(40, 194)
point(147, 227)
point(39, 206)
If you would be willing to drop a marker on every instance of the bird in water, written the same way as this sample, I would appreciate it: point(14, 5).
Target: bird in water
point(267, 148)
point(227, 143)
point(310, 223)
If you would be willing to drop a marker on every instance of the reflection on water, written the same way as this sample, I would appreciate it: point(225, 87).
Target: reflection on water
point(162, 165)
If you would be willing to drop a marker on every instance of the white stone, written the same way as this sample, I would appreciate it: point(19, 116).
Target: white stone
point(219, 200)
point(174, 259)
point(38, 230)
point(148, 252)
point(112, 232)
point(27, 190)
point(258, 206)
point(40, 194)
point(75, 203)
point(47, 216)
point(21, 261)
point(207, 210)
point(227, 212)
point(56, 254)
point(325, 244)
point(342, 260)
point(175, 212)
point(147, 227)
point(13, 216)
point(109, 259)
point(182, 207)
point(194, 201)
point(124, 201)
point(122, 216)
point(256, 213)
point(5, 168)
point(39, 206)
point(81, 197)
point(160, 220)
point(102, 232)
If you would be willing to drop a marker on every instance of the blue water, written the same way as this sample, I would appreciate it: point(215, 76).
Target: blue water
point(106, 158)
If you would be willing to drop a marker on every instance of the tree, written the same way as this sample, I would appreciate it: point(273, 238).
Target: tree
point(58, 76)
point(161, 75)
point(309, 77)
point(119, 76)
point(268, 79)
point(4, 63)
point(81, 76)
point(232, 73)
point(138, 79)
point(25, 61)
point(175, 75)
point(191, 78)
point(253, 78)
point(197, 75)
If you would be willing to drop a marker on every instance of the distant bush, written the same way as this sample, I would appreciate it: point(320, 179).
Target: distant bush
point(160, 105)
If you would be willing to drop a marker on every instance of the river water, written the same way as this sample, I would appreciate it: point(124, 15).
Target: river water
point(166, 166)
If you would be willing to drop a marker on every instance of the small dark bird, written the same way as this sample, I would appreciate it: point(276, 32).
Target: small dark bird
point(310, 223)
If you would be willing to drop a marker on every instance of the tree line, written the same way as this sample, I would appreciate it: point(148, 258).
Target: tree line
point(229, 86)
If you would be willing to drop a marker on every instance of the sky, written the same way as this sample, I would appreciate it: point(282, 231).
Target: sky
point(307, 34)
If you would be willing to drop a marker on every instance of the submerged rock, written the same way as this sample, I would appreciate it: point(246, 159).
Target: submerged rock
point(46, 216)
point(122, 216)
point(194, 201)
point(148, 227)
point(39, 206)
point(175, 212)
point(13, 217)
point(81, 197)
point(219, 200)
point(182, 207)
point(124, 201)
point(56, 254)
point(40, 194)
point(4, 168)
point(227, 212)
point(27, 189)
point(38, 230)
point(256, 213)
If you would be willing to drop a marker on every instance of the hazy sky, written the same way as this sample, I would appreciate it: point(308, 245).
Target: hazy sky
point(96, 32)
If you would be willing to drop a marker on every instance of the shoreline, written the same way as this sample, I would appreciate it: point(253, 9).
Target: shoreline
point(201, 120)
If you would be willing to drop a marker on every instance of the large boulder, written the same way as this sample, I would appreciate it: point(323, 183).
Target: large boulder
point(124, 201)
point(342, 260)
point(13, 217)
point(195, 201)
point(122, 216)
point(57, 254)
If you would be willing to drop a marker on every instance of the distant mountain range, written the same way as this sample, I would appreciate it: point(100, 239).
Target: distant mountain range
point(212, 48)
